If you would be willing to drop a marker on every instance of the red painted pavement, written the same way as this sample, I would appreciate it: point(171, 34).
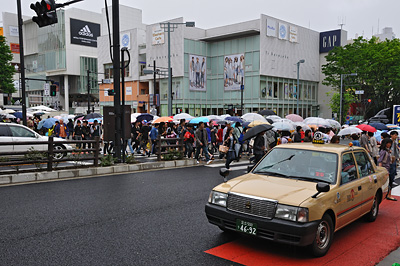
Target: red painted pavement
point(360, 243)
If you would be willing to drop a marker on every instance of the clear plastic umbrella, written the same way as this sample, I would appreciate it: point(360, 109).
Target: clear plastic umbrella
point(183, 116)
point(283, 126)
point(317, 121)
point(349, 131)
point(250, 117)
point(295, 118)
point(274, 117)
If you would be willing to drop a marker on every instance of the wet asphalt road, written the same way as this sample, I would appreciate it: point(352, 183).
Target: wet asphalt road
point(148, 218)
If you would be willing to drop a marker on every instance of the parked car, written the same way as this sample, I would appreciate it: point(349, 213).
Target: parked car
point(383, 116)
point(300, 194)
point(10, 132)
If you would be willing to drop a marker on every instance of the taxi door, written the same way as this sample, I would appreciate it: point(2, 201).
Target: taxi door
point(349, 196)
point(368, 179)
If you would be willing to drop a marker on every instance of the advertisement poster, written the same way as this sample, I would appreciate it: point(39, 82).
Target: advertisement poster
point(157, 35)
point(233, 71)
point(293, 34)
point(396, 115)
point(283, 32)
point(197, 73)
point(84, 32)
point(271, 27)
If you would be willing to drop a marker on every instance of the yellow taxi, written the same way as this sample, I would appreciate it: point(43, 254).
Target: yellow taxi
point(300, 194)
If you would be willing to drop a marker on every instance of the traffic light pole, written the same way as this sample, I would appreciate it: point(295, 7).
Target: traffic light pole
point(88, 91)
point(22, 61)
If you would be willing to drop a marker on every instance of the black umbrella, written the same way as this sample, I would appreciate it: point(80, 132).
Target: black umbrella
point(269, 120)
point(254, 131)
point(92, 116)
point(147, 117)
point(221, 122)
point(78, 116)
point(378, 126)
point(266, 112)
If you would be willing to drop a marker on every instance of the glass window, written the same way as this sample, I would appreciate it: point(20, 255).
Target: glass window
point(21, 132)
point(364, 164)
point(109, 70)
point(349, 171)
point(4, 132)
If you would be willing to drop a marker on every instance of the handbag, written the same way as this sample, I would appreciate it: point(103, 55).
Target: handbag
point(223, 149)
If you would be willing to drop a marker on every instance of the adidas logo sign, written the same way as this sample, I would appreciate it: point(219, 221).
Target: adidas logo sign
point(85, 31)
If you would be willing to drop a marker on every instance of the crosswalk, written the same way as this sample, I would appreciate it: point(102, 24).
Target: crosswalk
point(235, 166)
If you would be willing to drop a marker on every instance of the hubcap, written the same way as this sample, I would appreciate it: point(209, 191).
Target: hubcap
point(58, 155)
point(374, 207)
point(323, 232)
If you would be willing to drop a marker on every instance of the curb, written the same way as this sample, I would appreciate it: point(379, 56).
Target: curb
point(26, 178)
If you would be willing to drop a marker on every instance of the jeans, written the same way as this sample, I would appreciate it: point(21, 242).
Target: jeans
point(130, 146)
point(257, 158)
point(392, 174)
point(205, 150)
point(230, 157)
point(189, 149)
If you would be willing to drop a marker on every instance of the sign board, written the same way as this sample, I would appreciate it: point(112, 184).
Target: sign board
point(283, 31)
point(134, 104)
point(271, 27)
point(109, 122)
point(157, 35)
point(14, 47)
point(128, 91)
point(106, 92)
point(293, 34)
point(396, 115)
point(329, 40)
point(197, 73)
point(46, 89)
point(126, 40)
point(84, 33)
point(359, 92)
point(106, 81)
point(1, 31)
point(14, 31)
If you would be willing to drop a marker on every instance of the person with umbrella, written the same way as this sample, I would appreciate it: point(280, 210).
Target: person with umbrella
point(201, 143)
point(394, 156)
point(230, 142)
point(259, 147)
point(61, 130)
point(86, 135)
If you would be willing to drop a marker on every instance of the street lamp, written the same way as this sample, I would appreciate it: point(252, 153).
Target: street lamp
point(298, 84)
point(168, 27)
point(343, 76)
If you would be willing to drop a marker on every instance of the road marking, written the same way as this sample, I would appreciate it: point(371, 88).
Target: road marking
point(223, 164)
point(79, 163)
point(396, 191)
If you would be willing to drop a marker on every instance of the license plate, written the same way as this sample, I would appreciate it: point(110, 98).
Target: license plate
point(246, 227)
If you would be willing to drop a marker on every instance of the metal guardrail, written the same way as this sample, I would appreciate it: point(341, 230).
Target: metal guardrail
point(49, 159)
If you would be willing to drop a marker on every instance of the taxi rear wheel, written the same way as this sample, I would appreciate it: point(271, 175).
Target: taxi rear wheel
point(323, 237)
point(373, 213)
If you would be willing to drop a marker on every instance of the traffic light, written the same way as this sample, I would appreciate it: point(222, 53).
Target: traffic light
point(111, 92)
point(46, 13)
point(53, 90)
point(369, 100)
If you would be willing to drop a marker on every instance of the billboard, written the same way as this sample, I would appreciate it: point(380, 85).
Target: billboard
point(283, 31)
point(293, 34)
point(328, 40)
point(197, 73)
point(157, 35)
point(396, 115)
point(84, 33)
point(233, 71)
point(271, 27)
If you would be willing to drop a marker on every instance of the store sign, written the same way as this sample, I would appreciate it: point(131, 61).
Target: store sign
point(14, 31)
point(271, 27)
point(293, 34)
point(329, 40)
point(46, 89)
point(283, 31)
point(157, 35)
point(84, 32)
point(14, 47)
point(396, 115)
point(126, 40)
point(1, 31)
point(128, 90)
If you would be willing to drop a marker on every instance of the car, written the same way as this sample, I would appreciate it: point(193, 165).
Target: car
point(383, 116)
point(300, 194)
point(10, 132)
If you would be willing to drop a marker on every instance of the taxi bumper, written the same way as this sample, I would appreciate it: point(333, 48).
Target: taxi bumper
point(288, 232)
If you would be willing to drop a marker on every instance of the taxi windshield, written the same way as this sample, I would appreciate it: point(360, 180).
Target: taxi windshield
point(307, 165)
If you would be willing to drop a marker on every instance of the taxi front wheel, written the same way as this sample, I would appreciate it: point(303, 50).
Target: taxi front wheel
point(323, 237)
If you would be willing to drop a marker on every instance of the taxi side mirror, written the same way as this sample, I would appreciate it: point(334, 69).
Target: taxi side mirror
point(321, 187)
point(224, 173)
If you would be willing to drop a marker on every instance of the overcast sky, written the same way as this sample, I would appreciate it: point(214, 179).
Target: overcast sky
point(360, 16)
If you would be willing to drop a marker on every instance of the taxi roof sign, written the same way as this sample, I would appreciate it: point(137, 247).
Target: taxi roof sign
point(318, 138)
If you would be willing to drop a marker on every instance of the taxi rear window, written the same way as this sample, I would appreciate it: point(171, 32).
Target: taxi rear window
point(307, 165)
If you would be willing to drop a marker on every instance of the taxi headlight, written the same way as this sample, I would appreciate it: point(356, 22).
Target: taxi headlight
point(218, 198)
point(291, 213)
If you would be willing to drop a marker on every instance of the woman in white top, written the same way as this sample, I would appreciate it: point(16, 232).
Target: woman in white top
point(373, 147)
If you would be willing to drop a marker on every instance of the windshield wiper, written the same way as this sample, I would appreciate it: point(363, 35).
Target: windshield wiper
point(312, 179)
point(272, 165)
point(276, 174)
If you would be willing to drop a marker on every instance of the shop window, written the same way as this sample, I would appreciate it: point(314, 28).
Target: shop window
point(109, 71)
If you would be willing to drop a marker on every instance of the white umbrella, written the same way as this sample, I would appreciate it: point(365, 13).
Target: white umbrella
point(250, 117)
point(274, 117)
point(214, 117)
point(7, 111)
point(40, 112)
point(334, 123)
point(10, 116)
point(183, 116)
point(349, 131)
point(43, 108)
point(283, 126)
point(317, 121)
point(303, 125)
point(133, 117)
point(224, 116)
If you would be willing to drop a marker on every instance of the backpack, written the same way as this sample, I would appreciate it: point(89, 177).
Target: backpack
point(188, 136)
point(241, 138)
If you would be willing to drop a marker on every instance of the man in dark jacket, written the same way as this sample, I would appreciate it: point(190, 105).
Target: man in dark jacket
point(86, 134)
point(70, 126)
point(77, 135)
point(297, 134)
point(202, 142)
point(259, 147)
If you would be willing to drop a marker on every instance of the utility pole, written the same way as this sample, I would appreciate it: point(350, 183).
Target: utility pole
point(88, 91)
point(123, 101)
point(117, 67)
point(154, 80)
point(22, 61)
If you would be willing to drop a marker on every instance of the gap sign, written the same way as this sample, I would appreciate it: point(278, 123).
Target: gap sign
point(328, 40)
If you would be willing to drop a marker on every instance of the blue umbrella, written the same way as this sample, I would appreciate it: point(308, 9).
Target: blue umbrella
point(199, 119)
point(18, 115)
point(246, 124)
point(377, 135)
point(100, 120)
point(47, 123)
point(234, 119)
point(378, 126)
point(147, 117)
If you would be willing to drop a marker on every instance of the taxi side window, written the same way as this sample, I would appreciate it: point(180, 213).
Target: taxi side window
point(364, 164)
point(349, 171)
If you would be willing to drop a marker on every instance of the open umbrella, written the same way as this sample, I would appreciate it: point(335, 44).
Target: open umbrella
point(295, 118)
point(9, 116)
point(266, 112)
point(334, 123)
point(221, 122)
point(246, 124)
point(317, 121)
point(147, 117)
point(303, 125)
point(92, 115)
point(91, 120)
point(257, 123)
point(349, 131)
point(47, 123)
point(378, 126)
point(43, 108)
point(250, 117)
point(254, 131)
point(199, 119)
point(368, 128)
point(273, 117)
point(283, 126)
point(7, 111)
point(164, 119)
point(234, 119)
point(183, 116)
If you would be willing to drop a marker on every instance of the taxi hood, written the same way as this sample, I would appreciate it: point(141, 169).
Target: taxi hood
point(285, 191)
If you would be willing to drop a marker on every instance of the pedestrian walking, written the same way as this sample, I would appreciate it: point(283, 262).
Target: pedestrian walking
point(188, 140)
point(201, 143)
point(230, 142)
point(86, 134)
point(373, 147)
point(61, 130)
point(385, 161)
point(394, 157)
point(144, 138)
point(258, 147)
point(77, 133)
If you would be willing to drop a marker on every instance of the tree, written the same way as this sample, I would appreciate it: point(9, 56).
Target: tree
point(6, 69)
point(348, 98)
point(377, 65)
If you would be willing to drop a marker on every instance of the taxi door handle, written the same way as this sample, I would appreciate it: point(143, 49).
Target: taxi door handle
point(359, 188)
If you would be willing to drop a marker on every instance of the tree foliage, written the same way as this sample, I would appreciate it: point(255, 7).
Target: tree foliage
point(6, 69)
point(348, 98)
point(377, 65)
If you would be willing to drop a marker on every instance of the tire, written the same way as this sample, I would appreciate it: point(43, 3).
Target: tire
point(373, 213)
point(59, 156)
point(323, 237)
